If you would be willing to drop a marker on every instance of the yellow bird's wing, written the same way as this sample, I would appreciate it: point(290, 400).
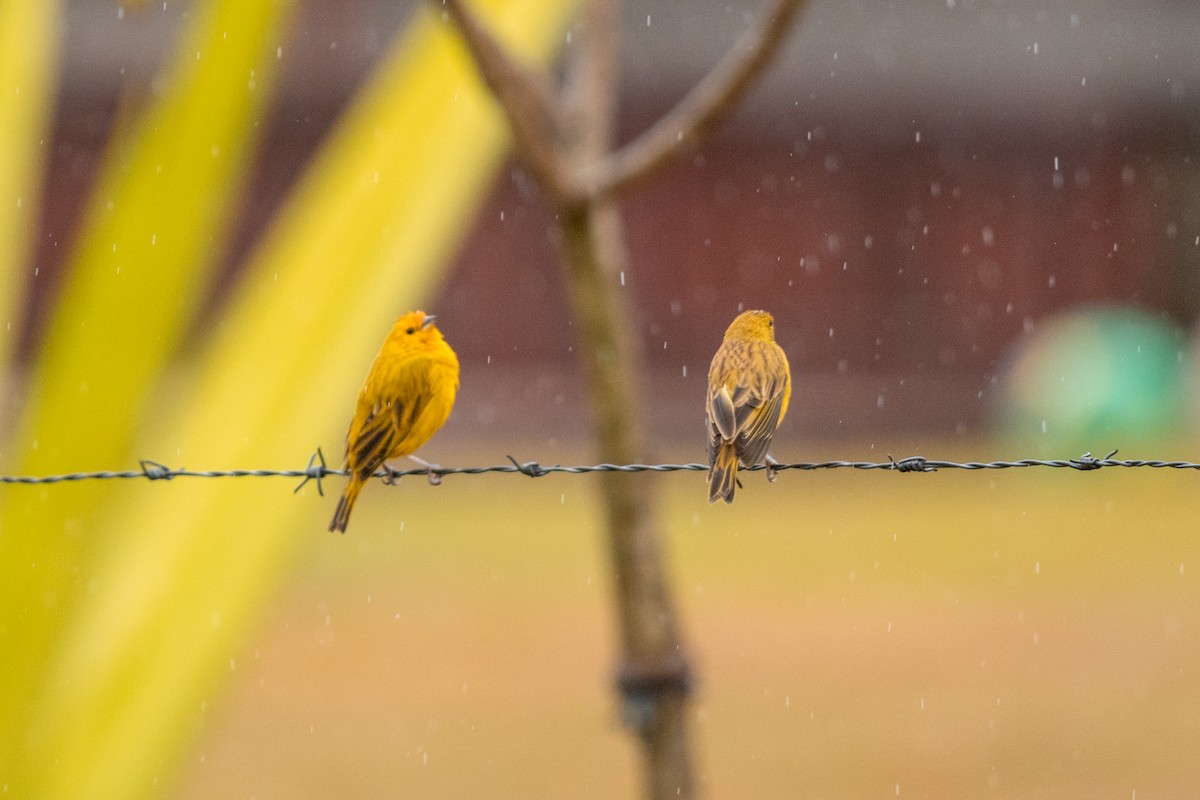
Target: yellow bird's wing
point(368, 444)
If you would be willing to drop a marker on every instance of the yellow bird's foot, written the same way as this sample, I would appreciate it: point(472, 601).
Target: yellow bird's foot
point(391, 477)
point(434, 478)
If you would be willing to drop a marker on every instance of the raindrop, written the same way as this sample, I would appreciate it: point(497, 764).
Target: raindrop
point(685, 370)
point(622, 277)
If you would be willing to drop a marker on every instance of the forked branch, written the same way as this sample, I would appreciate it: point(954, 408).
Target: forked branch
point(539, 122)
point(701, 109)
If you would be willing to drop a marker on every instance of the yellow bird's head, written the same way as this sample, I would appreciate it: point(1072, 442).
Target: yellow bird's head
point(415, 330)
point(752, 325)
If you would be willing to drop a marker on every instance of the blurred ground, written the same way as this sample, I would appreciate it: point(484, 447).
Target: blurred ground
point(1028, 634)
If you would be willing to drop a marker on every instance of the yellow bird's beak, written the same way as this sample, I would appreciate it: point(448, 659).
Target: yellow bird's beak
point(429, 318)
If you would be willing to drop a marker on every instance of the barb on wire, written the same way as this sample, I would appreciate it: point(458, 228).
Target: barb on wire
point(316, 470)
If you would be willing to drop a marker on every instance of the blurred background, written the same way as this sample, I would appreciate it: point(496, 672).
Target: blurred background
point(978, 227)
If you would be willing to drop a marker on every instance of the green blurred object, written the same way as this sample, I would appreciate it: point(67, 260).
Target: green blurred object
point(1096, 378)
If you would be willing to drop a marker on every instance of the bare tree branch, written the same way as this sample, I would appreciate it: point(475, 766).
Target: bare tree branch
point(700, 110)
point(653, 675)
point(528, 99)
point(566, 141)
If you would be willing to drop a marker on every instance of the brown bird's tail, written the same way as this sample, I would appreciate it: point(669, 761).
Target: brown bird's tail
point(342, 515)
point(722, 474)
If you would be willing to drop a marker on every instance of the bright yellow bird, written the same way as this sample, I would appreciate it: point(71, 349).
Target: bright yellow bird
point(749, 386)
point(405, 399)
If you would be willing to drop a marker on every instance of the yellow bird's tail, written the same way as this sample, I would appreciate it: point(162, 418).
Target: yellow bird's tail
point(342, 515)
point(722, 474)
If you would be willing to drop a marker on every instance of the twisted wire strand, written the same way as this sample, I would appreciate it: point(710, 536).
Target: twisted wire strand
point(316, 470)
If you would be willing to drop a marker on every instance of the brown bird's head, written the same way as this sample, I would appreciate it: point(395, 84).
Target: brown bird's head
point(752, 325)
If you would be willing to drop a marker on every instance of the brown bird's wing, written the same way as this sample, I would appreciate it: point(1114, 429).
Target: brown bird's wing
point(747, 417)
point(722, 414)
point(757, 420)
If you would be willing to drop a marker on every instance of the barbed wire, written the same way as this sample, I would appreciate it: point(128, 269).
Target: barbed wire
point(316, 470)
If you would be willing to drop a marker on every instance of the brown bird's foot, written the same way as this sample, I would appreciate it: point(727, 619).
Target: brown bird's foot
point(434, 478)
point(772, 471)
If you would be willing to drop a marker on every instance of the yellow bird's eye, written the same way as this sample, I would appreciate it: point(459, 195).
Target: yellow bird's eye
point(411, 331)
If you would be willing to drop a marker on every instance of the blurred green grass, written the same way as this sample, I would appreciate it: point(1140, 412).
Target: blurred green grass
point(1019, 633)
